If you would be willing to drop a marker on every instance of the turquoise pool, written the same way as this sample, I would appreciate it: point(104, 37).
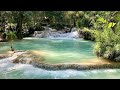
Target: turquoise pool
point(54, 51)
point(57, 50)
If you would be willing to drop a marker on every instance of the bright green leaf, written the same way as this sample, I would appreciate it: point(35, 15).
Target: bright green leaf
point(111, 24)
point(102, 20)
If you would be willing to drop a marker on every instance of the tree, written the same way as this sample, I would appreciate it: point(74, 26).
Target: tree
point(21, 17)
point(11, 36)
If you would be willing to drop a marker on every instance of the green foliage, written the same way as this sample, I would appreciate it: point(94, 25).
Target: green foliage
point(87, 34)
point(54, 16)
point(11, 36)
point(101, 20)
point(4, 35)
point(83, 22)
point(103, 25)
point(107, 42)
point(111, 24)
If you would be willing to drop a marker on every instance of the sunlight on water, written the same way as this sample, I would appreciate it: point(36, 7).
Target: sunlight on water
point(54, 51)
point(57, 50)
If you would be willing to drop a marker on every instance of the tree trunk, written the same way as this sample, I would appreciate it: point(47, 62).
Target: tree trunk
point(3, 24)
point(19, 26)
point(19, 30)
point(74, 22)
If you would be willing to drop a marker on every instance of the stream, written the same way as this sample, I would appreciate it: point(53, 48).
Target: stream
point(60, 48)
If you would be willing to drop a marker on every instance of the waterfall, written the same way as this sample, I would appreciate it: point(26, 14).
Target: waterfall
point(54, 34)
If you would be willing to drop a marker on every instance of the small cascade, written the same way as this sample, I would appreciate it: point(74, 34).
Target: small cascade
point(54, 34)
point(70, 35)
point(6, 63)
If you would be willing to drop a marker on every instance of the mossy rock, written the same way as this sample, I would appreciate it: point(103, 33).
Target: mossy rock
point(112, 55)
point(87, 35)
point(109, 55)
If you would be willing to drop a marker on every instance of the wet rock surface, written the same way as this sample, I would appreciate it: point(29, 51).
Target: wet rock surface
point(38, 61)
point(3, 56)
point(75, 66)
point(6, 55)
point(28, 58)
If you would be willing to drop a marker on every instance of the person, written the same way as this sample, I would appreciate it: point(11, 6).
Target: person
point(10, 28)
point(4, 36)
point(0, 36)
point(12, 49)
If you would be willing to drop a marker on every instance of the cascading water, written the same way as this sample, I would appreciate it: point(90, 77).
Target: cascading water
point(56, 51)
point(70, 35)
point(8, 70)
point(51, 34)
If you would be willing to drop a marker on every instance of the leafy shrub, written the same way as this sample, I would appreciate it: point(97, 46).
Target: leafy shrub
point(57, 26)
point(107, 42)
point(87, 34)
point(4, 35)
point(83, 22)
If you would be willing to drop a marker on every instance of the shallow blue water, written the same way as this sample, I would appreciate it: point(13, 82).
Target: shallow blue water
point(58, 50)
point(55, 51)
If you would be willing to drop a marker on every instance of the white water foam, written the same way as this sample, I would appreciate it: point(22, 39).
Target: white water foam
point(22, 71)
point(56, 34)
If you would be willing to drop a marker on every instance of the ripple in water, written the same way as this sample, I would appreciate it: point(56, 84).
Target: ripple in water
point(25, 71)
point(68, 49)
